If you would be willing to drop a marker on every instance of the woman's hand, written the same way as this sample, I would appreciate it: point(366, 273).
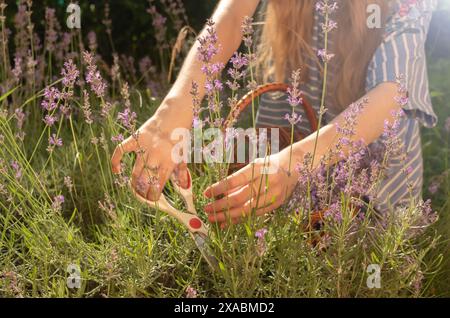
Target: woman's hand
point(153, 147)
point(251, 188)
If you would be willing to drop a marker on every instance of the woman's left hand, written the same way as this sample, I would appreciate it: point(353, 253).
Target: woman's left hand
point(263, 185)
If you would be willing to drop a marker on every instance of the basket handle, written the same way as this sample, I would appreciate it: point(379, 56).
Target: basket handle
point(246, 100)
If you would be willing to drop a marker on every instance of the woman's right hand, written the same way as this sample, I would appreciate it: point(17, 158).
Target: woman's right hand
point(153, 147)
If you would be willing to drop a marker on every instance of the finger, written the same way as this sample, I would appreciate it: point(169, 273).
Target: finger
point(231, 200)
point(236, 197)
point(139, 180)
point(158, 176)
point(182, 176)
point(127, 146)
point(237, 179)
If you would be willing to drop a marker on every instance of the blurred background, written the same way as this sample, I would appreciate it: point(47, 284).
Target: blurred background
point(133, 34)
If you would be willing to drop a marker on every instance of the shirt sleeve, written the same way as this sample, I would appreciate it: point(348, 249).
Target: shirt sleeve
point(402, 53)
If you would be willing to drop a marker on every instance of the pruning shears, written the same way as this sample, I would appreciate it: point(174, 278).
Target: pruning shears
point(188, 217)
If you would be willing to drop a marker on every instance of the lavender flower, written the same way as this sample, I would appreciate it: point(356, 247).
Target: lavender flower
point(191, 292)
point(294, 93)
point(293, 118)
point(208, 44)
point(51, 98)
point(57, 203)
point(105, 109)
point(324, 55)
point(87, 108)
point(239, 61)
point(68, 183)
point(108, 207)
point(117, 139)
point(93, 76)
point(334, 212)
point(326, 8)
point(247, 31)
point(115, 69)
point(53, 142)
point(260, 234)
point(330, 26)
point(261, 241)
point(127, 118)
point(17, 170)
point(17, 70)
point(159, 24)
point(51, 35)
point(70, 74)
point(20, 117)
point(50, 120)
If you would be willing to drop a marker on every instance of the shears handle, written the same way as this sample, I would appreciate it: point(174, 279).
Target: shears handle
point(190, 220)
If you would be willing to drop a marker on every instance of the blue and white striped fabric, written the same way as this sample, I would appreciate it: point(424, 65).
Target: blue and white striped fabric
point(402, 52)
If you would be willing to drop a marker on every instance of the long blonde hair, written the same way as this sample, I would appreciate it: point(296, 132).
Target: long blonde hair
point(286, 39)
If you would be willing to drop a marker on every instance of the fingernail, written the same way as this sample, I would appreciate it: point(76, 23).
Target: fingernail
point(188, 178)
point(153, 194)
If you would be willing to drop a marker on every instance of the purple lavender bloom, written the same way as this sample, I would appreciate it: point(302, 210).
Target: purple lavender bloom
point(197, 122)
point(326, 8)
point(191, 292)
point(127, 118)
point(20, 117)
point(17, 71)
point(50, 120)
point(324, 55)
point(260, 234)
point(51, 97)
point(70, 74)
point(293, 118)
point(294, 93)
point(55, 141)
point(330, 26)
point(261, 243)
point(117, 139)
point(218, 85)
point(402, 100)
point(17, 170)
point(294, 101)
point(93, 76)
point(208, 44)
point(247, 31)
point(51, 35)
point(58, 202)
point(238, 60)
point(334, 212)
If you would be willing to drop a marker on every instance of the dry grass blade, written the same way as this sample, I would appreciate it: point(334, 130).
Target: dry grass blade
point(178, 46)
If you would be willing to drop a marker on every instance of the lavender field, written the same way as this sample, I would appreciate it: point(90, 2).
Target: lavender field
point(69, 97)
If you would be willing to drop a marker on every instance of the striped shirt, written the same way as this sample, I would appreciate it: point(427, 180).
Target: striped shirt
point(402, 52)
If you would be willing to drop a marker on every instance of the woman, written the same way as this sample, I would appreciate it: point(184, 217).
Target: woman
point(366, 65)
